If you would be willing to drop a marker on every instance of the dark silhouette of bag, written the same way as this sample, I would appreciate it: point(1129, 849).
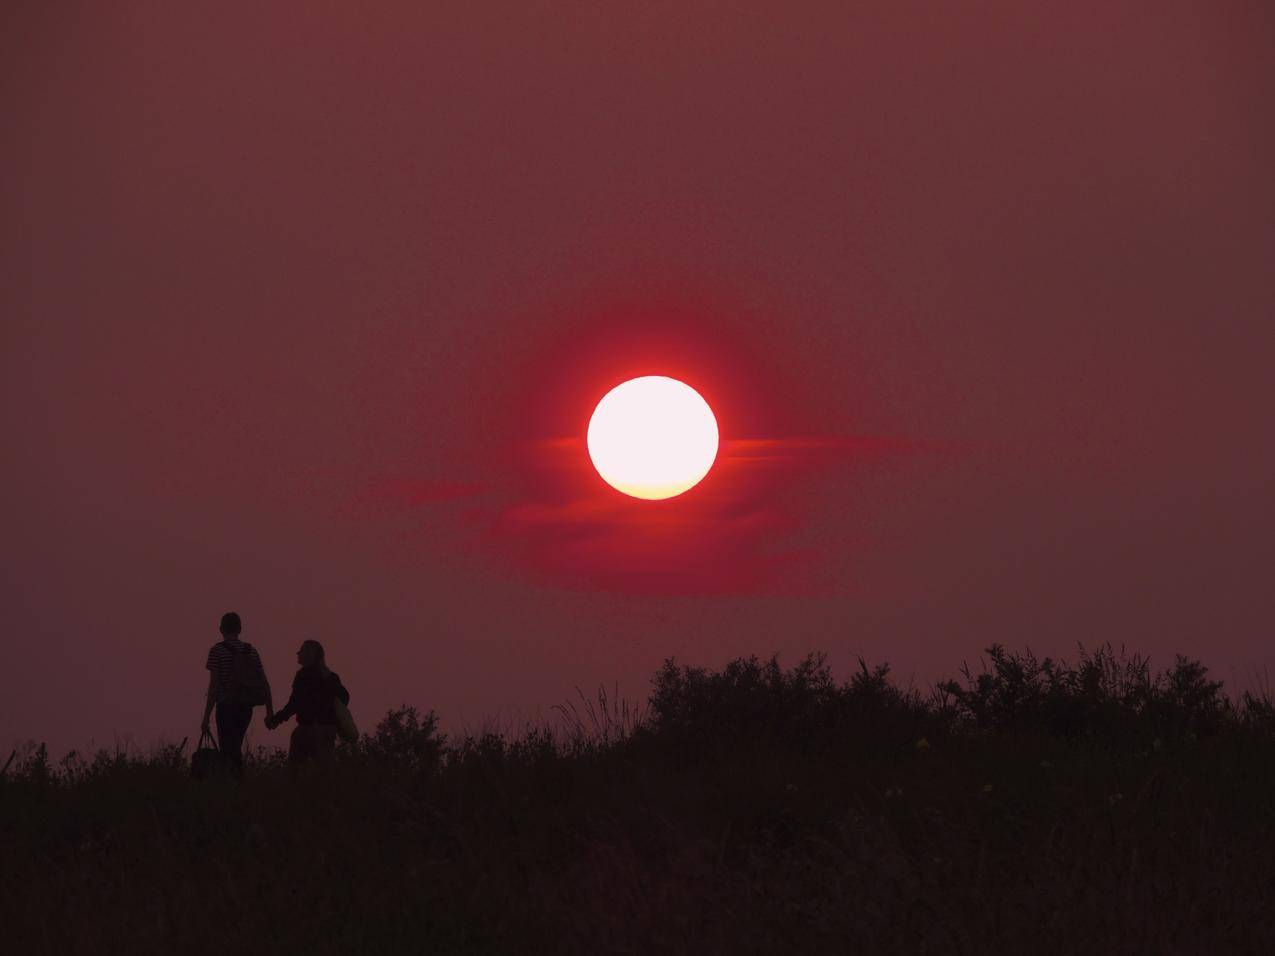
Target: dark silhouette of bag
point(207, 761)
point(345, 726)
point(247, 684)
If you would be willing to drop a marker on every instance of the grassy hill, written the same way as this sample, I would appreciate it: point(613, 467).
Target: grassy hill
point(1032, 806)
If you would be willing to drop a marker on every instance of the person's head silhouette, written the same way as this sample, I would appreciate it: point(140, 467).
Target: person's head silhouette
point(231, 625)
point(310, 654)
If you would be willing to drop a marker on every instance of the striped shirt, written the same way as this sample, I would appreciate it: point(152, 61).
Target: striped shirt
point(220, 665)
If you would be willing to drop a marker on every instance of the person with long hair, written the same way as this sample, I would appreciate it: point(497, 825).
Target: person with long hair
point(315, 691)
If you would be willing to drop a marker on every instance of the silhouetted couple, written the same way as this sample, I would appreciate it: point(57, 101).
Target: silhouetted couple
point(237, 683)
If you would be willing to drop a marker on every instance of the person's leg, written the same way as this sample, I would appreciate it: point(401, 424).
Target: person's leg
point(245, 721)
point(226, 738)
point(232, 724)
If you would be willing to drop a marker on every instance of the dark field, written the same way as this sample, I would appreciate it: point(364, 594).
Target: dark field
point(1025, 808)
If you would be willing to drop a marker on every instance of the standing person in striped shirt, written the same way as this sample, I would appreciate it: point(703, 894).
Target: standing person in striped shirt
point(236, 683)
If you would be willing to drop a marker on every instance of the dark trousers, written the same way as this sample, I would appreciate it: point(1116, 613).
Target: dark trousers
point(232, 724)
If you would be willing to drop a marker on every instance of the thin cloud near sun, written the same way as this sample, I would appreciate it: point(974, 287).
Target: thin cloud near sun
point(564, 527)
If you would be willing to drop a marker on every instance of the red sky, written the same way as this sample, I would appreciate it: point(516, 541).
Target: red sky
point(304, 313)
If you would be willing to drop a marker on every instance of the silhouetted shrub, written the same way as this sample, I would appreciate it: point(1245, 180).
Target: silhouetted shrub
point(487, 748)
point(748, 697)
point(1184, 701)
point(32, 765)
point(755, 701)
point(1257, 711)
point(406, 740)
point(1106, 695)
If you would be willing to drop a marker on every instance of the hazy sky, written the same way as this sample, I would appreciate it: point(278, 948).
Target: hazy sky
point(304, 313)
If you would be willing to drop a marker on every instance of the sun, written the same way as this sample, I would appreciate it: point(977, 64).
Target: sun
point(652, 437)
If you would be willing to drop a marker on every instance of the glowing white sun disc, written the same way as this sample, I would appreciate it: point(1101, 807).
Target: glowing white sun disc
point(652, 437)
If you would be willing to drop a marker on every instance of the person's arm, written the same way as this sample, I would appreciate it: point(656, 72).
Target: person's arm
point(290, 707)
point(209, 699)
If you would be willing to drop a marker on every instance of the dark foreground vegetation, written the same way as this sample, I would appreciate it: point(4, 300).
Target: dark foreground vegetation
point(1028, 807)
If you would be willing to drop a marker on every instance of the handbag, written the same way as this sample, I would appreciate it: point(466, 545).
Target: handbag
point(344, 722)
point(207, 761)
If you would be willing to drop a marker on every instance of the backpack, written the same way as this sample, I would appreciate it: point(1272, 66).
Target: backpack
point(247, 684)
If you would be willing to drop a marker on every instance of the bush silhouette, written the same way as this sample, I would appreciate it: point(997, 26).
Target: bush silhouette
point(406, 740)
point(756, 703)
point(1107, 695)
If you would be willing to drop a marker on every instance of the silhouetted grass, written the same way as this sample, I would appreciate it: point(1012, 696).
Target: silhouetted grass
point(1028, 805)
